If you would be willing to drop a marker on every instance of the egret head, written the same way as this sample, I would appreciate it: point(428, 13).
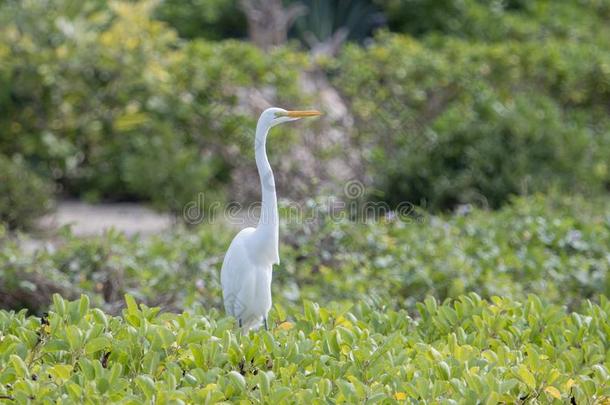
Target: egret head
point(274, 116)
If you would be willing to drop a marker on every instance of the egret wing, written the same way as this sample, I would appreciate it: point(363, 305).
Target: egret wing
point(234, 274)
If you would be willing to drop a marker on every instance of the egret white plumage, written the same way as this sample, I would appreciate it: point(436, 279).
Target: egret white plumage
point(247, 267)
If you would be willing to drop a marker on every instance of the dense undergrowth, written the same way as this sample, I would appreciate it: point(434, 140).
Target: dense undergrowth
point(554, 247)
point(464, 105)
point(357, 316)
point(464, 351)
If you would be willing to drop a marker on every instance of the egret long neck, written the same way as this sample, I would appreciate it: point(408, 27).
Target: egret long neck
point(268, 224)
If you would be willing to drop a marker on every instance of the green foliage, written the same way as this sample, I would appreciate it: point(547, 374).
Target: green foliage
point(493, 98)
point(116, 106)
point(112, 104)
point(550, 248)
point(209, 19)
point(556, 249)
point(466, 350)
point(222, 19)
point(476, 123)
point(78, 101)
point(498, 20)
point(172, 270)
point(24, 196)
point(420, 16)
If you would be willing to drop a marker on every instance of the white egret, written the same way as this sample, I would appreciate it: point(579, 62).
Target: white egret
point(247, 266)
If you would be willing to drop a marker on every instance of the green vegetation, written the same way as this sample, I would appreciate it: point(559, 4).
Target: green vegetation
point(111, 103)
point(555, 249)
point(209, 19)
point(357, 313)
point(469, 122)
point(490, 116)
point(498, 21)
point(24, 196)
point(463, 351)
point(118, 108)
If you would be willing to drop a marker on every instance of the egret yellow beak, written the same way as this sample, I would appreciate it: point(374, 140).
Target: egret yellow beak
point(302, 114)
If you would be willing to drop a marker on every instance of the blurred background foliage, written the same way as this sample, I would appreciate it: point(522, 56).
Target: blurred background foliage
point(552, 246)
point(448, 103)
point(209, 19)
point(477, 122)
point(24, 196)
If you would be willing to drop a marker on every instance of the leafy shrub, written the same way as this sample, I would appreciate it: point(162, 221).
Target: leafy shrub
point(117, 107)
point(466, 123)
point(97, 93)
point(420, 16)
point(466, 349)
point(24, 196)
point(542, 246)
point(491, 20)
point(169, 173)
point(209, 19)
point(376, 332)
point(556, 249)
point(485, 152)
point(77, 99)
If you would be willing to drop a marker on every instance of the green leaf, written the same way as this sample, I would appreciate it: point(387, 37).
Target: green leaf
point(237, 380)
point(59, 305)
point(74, 336)
point(146, 384)
point(280, 395)
point(198, 356)
point(526, 376)
point(21, 370)
point(264, 383)
point(61, 372)
point(97, 344)
point(281, 313)
point(115, 373)
point(346, 388)
point(56, 345)
point(445, 370)
point(83, 306)
point(132, 307)
point(100, 317)
point(102, 385)
point(74, 390)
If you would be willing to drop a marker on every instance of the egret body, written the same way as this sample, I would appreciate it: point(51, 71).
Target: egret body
point(247, 266)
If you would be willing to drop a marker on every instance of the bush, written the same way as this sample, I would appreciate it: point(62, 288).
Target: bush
point(498, 21)
point(117, 107)
point(554, 248)
point(476, 123)
point(484, 151)
point(376, 331)
point(209, 19)
point(114, 105)
point(466, 349)
point(24, 196)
